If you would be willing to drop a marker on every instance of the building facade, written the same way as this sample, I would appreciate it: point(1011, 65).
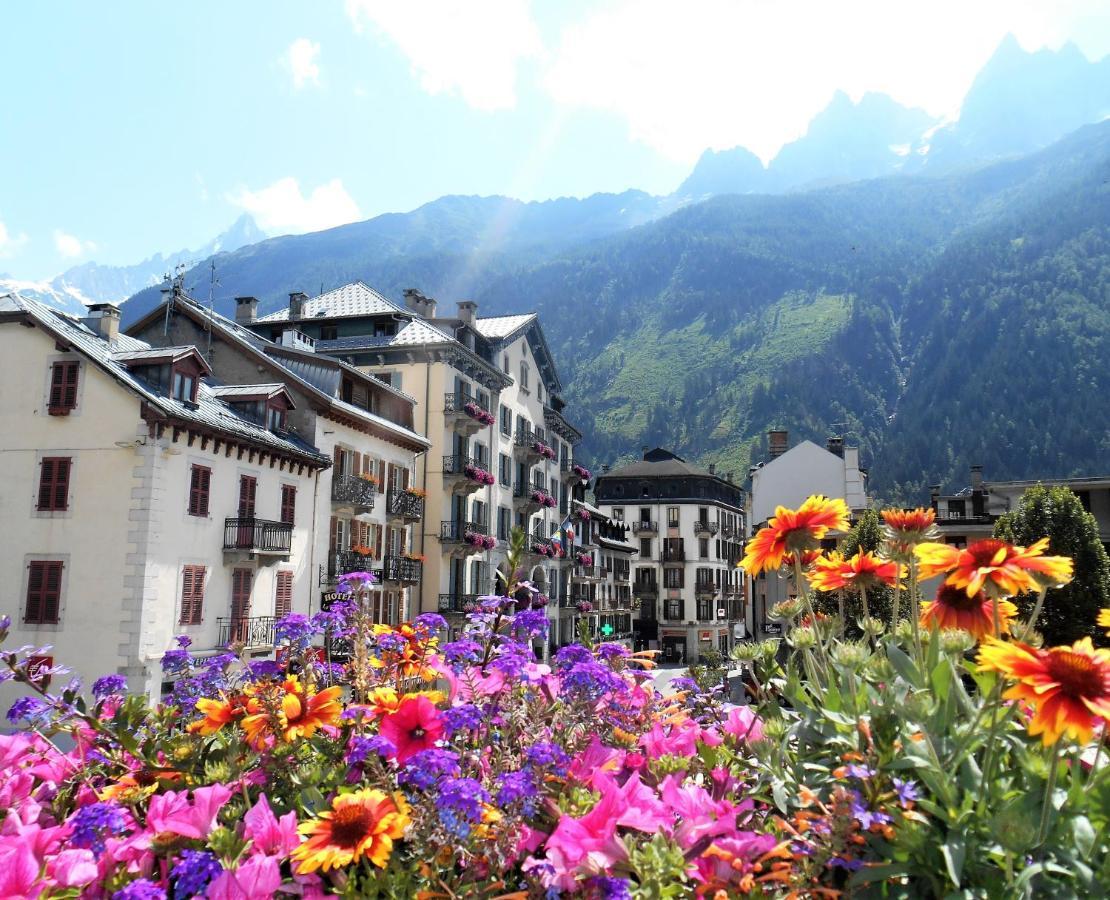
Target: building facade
point(688, 524)
point(140, 504)
point(367, 511)
point(787, 478)
point(501, 455)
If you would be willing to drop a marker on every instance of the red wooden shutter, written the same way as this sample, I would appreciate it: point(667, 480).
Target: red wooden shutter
point(288, 503)
point(54, 483)
point(356, 465)
point(248, 484)
point(192, 594)
point(378, 542)
point(332, 529)
point(337, 466)
point(63, 387)
point(240, 593)
point(44, 592)
point(283, 602)
point(199, 483)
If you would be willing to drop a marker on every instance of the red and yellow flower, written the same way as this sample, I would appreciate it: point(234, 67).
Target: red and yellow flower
point(288, 711)
point(1067, 687)
point(1104, 619)
point(863, 571)
point(220, 712)
point(794, 531)
point(953, 608)
point(1000, 569)
point(362, 824)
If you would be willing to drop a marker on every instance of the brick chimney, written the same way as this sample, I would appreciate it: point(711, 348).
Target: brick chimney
point(976, 477)
point(297, 300)
point(778, 442)
point(419, 304)
point(835, 445)
point(468, 312)
point(103, 318)
point(246, 310)
point(712, 468)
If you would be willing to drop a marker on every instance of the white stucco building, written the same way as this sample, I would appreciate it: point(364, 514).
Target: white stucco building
point(139, 503)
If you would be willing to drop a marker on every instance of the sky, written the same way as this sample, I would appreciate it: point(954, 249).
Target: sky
point(131, 128)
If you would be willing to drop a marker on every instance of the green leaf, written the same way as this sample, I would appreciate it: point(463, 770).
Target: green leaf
point(903, 665)
point(941, 679)
point(953, 851)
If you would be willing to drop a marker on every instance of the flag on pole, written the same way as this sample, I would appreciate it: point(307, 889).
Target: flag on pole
point(564, 537)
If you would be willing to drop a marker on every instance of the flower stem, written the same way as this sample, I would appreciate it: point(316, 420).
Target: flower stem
point(915, 615)
point(1032, 621)
point(1050, 787)
point(799, 581)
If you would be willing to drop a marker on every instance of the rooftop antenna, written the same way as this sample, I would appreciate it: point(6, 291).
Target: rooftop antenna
point(212, 282)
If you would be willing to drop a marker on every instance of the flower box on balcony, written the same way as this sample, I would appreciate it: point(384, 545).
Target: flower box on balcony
point(543, 450)
point(584, 515)
point(582, 472)
point(478, 474)
point(482, 541)
point(584, 559)
point(544, 499)
point(543, 549)
point(476, 412)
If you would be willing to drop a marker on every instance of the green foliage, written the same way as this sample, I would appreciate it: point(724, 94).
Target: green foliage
point(1057, 513)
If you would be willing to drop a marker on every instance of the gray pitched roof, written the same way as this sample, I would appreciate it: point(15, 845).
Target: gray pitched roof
point(355, 299)
point(496, 328)
point(209, 410)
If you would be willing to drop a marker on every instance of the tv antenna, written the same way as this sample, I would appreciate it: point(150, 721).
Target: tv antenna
point(212, 282)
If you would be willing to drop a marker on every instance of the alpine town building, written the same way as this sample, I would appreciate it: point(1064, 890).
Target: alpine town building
point(141, 501)
point(689, 527)
point(488, 399)
point(367, 512)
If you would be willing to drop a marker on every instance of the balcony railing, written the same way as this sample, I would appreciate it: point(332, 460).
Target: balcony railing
point(645, 588)
point(457, 603)
point(674, 556)
point(405, 505)
point(468, 412)
point(456, 465)
point(590, 571)
point(701, 527)
point(353, 490)
point(455, 532)
point(454, 402)
point(703, 588)
point(256, 631)
point(641, 526)
point(257, 535)
point(343, 561)
point(401, 568)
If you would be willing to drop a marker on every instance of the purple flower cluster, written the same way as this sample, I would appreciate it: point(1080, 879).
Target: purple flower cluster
point(93, 823)
point(519, 788)
point(543, 450)
point(544, 499)
point(476, 412)
point(140, 889)
point(296, 630)
point(427, 767)
point(361, 748)
point(461, 653)
point(196, 869)
point(482, 541)
point(547, 755)
point(464, 717)
point(31, 709)
point(582, 472)
point(107, 685)
point(460, 805)
point(529, 625)
point(590, 681)
point(477, 473)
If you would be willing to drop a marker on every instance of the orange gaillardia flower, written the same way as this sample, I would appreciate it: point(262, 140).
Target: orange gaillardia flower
point(863, 571)
point(1104, 619)
point(361, 824)
point(220, 712)
point(290, 714)
point(1000, 569)
point(1068, 687)
point(794, 531)
point(953, 608)
point(910, 523)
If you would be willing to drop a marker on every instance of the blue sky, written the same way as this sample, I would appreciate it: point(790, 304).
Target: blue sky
point(132, 128)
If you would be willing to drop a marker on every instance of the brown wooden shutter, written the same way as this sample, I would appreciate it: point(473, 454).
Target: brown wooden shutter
point(44, 592)
point(248, 485)
point(356, 466)
point(378, 542)
point(283, 601)
point(241, 593)
point(288, 503)
point(63, 386)
point(331, 534)
point(337, 468)
point(199, 484)
point(192, 594)
point(54, 483)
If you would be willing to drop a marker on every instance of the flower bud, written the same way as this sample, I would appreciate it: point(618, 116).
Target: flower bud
point(786, 609)
point(747, 651)
point(872, 626)
point(850, 654)
point(956, 641)
point(803, 637)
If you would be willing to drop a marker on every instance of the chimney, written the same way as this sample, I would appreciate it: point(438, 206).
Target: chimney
point(297, 300)
point(976, 477)
point(777, 443)
point(712, 468)
point(246, 310)
point(934, 496)
point(103, 318)
point(605, 467)
point(468, 312)
point(644, 451)
point(419, 304)
point(835, 445)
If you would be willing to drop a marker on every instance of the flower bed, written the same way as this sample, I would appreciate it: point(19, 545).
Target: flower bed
point(874, 759)
point(478, 474)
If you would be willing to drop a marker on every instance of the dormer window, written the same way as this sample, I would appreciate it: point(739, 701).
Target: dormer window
point(275, 418)
point(174, 372)
point(184, 386)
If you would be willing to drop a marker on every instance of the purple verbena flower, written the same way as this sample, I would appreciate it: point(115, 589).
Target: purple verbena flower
point(462, 717)
point(174, 661)
point(140, 889)
point(93, 823)
point(460, 804)
point(906, 790)
point(362, 747)
point(107, 685)
point(31, 709)
point(430, 622)
point(518, 787)
point(547, 755)
point(192, 874)
point(425, 768)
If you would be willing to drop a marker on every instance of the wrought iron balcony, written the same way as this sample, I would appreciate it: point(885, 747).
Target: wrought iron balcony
point(645, 589)
point(709, 528)
point(255, 631)
point(466, 413)
point(401, 568)
point(705, 589)
point(590, 573)
point(405, 505)
point(353, 490)
point(344, 561)
point(640, 526)
point(257, 536)
point(457, 603)
point(456, 532)
point(674, 556)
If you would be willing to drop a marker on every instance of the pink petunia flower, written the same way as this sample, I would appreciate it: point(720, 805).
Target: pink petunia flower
point(173, 812)
point(270, 835)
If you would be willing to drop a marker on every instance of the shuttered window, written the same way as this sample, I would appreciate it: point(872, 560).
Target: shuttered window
point(54, 483)
point(63, 388)
point(199, 482)
point(248, 486)
point(241, 593)
point(283, 599)
point(44, 592)
point(288, 503)
point(192, 594)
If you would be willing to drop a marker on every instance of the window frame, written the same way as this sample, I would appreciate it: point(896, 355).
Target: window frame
point(61, 396)
point(199, 497)
point(43, 567)
point(54, 485)
point(288, 504)
point(192, 594)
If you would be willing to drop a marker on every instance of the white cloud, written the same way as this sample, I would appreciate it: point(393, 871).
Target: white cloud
point(70, 246)
point(282, 208)
point(10, 243)
point(462, 47)
point(301, 60)
point(718, 73)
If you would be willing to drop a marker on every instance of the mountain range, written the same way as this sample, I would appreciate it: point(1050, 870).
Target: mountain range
point(939, 292)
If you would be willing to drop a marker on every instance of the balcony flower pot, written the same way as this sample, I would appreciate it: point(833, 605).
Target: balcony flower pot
point(584, 559)
point(543, 450)
point(584, 515)
point(419, 493)
point(585, 606)
point(582, 472)
point(476, 412)
point(478, 474)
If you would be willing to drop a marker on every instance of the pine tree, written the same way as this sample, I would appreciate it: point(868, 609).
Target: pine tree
point(1069, 612)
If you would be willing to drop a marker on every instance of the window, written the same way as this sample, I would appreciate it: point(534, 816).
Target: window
point(200, 479)
point(248, 485)
point(275, 418)
point(478, 512)
point(505, 363)
point(673, 609)
point(524, 376)
point(288, 503)
point(54, 483)
point(283, 596)
point(672, 517)
point(506, 420)
point(503, 523)
point(645, 548)
point(703, 548)
point(705, 611)
point(674, 578)
point(505, 469)
point(192, 594)
point(618, 513)
point(241, 593)
point(44, 592)
point(63, 388)
point(329, 332)
point(184, 387)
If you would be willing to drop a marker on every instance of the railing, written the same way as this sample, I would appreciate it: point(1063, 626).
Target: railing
point(405, 504)
point(257, 535)
point(729, 531)
point(343, 561)
point(455, 532)
point(641, 526)
point(701, 527)
point(401, 568)
point(457, 402)
point(645, 588)
point(354, 490)
point(590, 571)
point(457, 603)
point(673, 556)
point(525, 438)
point(456, 465)
point(257, 631)
point(705, 587)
